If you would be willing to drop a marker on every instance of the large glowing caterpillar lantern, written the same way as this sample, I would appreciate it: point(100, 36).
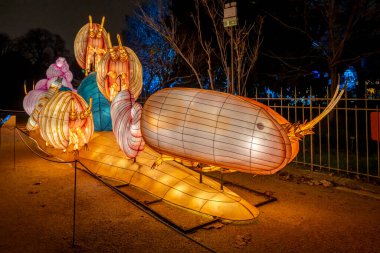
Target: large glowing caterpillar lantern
point(119, 69)
point(223, 130)
point(66, 121)
point(90, 45)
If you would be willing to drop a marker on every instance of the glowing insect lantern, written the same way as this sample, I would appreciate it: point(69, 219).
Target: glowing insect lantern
point(100, 105)
point(59, 69)
point(126, 115)
point(119, 69)
point(66, 121)
point(90, 45)
point(31, 100)
point(32, 123)
point(223, 130)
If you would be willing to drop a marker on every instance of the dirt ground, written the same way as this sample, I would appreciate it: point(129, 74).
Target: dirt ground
point(314, 212)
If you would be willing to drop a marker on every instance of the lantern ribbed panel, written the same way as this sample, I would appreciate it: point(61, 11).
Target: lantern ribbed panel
point(126, 115)
point(33, 119)
point(55, 123)
point(132, 65)
point(82, 42)
point(100, 105)
point(215, 128)
point(31, 100)
point(80, 46)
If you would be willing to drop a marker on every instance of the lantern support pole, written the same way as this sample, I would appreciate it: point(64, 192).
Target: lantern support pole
point(74, 206)
point(14, 147)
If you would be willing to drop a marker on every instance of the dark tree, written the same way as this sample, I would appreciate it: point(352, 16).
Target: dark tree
point(41, 48)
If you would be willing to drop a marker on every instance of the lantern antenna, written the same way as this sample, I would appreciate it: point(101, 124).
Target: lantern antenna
point(102, 24)
point(25, 91)
point(73, 113)
point(297, 131)
point(119, 40)
point(109, 40)
point(84, 114)
point(90, 20)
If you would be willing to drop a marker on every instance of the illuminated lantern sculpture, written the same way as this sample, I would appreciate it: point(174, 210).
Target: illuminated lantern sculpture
point(32, 123)
point(223, 130)
point(31, 100)
point(66, 121)
point(119, 69)
point(59, 69)
point(126, 115)
point(101, 114)
point(90, 45)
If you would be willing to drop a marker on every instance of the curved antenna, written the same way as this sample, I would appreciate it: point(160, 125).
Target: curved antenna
point(84, 114)
point(90, 21)
point(119, 40)
point(99, 33)
point(102, 24)
point(25, 91)
point(297, 131)
point(123, 55)
point(109, 40)
point(73, 113)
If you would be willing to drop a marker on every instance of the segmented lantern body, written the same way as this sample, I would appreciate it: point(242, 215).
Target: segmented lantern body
point(126, 115)
point(89, 47)
point(217, 129)
point(31, 100)
point(118, 74)
point(32, 123)
point(100, 105)
point(59, 69)
point(57, 126)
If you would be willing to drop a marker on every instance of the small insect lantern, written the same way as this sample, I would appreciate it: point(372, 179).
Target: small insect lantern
point(66, 121)
point(90, 45)
point(119, 69)
point(32, 123)
point(31, 99)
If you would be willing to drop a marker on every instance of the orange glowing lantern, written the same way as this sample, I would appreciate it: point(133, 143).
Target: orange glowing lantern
point(90, 45)
point(66, 121)
point(119, 69)
point(223, 130)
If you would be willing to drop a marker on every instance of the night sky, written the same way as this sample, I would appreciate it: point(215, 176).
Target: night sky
point(64, 18)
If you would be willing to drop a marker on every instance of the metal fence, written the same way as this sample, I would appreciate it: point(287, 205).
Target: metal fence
point(345, 142)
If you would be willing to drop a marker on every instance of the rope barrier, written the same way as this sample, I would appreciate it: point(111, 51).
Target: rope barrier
point(116, 190)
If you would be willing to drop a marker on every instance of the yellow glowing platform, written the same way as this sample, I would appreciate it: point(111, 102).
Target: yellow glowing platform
point(171, 181)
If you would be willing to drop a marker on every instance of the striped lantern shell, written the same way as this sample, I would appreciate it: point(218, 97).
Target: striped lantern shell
point(90, 45)
point(32, 123)
point(118, 74)
point(216, 129)
point(66, 121)
point(126, 115)
point(223, 130)
point(31, 100)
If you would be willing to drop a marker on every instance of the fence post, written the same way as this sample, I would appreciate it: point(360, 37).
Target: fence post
point(311, 136)
point(75, 195)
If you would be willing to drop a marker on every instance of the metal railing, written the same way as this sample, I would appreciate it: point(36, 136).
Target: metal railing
point(345, 142)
